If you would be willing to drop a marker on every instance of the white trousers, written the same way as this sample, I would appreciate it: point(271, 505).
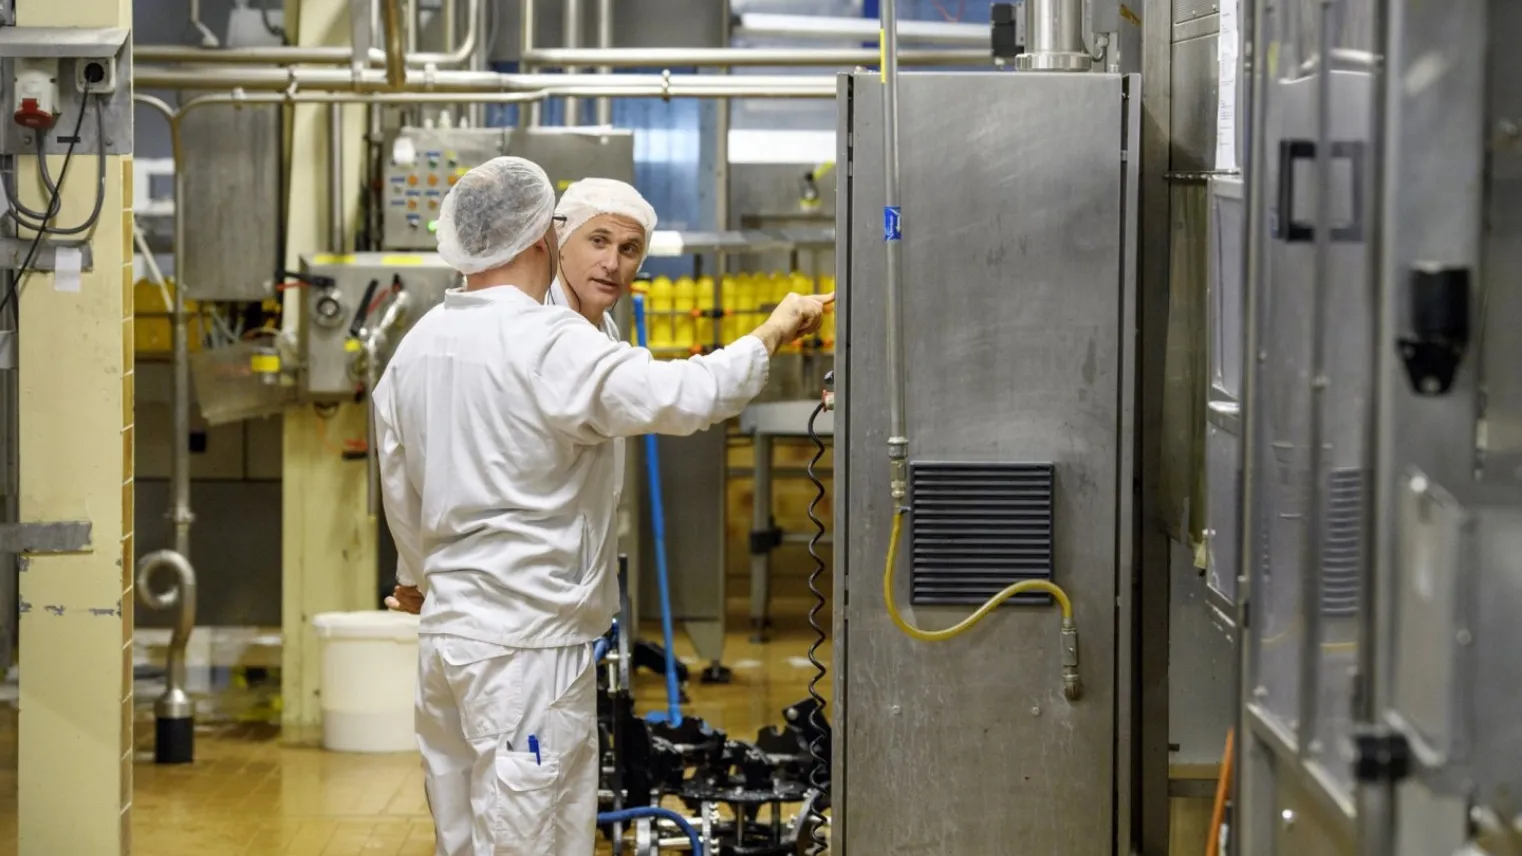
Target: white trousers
point(509, 743)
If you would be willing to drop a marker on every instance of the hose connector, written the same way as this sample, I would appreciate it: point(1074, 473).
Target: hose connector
point(1072, 688)
point(898, 452)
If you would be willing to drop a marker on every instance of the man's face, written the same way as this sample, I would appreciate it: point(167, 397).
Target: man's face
point(598, 262)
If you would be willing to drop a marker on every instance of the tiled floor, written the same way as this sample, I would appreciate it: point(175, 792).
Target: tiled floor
point(249, 794)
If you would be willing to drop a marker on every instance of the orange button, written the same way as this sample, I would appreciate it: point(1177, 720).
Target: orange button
point(412, 204)
point(432, 204)
point(412, 179)
point(433, 179)
point(453, 179)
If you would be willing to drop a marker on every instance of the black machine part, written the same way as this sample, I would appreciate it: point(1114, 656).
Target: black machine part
point(1439, 323)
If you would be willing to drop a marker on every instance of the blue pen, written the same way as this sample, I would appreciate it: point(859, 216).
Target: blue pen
point(533, 746)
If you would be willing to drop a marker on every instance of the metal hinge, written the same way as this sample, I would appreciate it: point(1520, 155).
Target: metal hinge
point(72, 536)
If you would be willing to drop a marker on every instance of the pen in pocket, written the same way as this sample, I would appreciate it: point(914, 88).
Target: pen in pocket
point(533, 746)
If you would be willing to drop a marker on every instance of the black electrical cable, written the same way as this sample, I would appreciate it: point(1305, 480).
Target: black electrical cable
point(52, 210)
point(819, 772)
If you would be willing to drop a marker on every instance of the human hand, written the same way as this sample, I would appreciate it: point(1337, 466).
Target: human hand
point(796, 316)
point(405, 599)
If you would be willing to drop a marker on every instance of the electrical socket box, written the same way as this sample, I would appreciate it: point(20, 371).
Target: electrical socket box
point(96, 76)
point(36, 88)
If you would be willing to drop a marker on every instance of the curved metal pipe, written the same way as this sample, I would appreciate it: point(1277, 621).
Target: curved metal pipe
point(175, 702)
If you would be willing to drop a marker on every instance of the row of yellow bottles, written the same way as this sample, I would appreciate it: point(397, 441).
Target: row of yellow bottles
point(681, 312)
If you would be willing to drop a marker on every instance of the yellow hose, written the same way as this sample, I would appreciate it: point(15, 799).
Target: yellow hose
point(966, 624)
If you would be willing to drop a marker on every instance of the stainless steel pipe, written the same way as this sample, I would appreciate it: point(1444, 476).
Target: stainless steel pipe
point(746, 57)
point(573, 13)
point(391, 22)
point(340, 55)
point(1054, 37)
point(527, 21)
point(605, 41)
point(898, 437)
point(770, 25)
point(174, 711)
point(335, 177)
point(485, 82)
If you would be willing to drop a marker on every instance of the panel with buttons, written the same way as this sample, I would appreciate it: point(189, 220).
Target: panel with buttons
point(420, 167)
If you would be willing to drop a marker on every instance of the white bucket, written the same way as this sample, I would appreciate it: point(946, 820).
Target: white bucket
point(369, 680)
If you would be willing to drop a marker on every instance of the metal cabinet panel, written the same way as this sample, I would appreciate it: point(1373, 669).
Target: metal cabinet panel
point(230, 157)
point(1018, 301)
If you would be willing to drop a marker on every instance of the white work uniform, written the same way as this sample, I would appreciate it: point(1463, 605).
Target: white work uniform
point(492, 424)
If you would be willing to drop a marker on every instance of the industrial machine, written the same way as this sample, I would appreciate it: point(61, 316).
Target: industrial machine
point(1013, 463)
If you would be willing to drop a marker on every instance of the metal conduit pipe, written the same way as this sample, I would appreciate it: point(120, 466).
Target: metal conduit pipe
point(573, 12)
point(529, 116)
point(750, 57)
point(174, 712)
point(391, 22)
point(460, 55)
point(604, 40)
point(771, 25)
point(485, 82)
point(335, 176)
point(898, 438)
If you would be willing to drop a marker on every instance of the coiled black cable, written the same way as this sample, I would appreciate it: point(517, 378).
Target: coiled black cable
point(819, 774)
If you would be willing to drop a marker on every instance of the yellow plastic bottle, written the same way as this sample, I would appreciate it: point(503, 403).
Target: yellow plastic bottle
point(747, 317)
point(684, 330)
point(662, 325)
point(703, 326)
point(731, 290)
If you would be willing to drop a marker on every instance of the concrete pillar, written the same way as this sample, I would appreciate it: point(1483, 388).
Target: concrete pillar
point(76, 443)
point(328, 554)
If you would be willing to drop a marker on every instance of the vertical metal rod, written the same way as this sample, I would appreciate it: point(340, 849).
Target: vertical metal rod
point(414, 25)
point(1310, 571)
point(898, 439)
point(573, 15)
point(721, 210)
point(480, 50)
point(528, 115)
point(179, 469)
point(396, 59)
point(336, 178)
point(604, 105)
point(1256, 196)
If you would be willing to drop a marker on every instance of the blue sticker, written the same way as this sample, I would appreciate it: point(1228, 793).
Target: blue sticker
point(891, 224)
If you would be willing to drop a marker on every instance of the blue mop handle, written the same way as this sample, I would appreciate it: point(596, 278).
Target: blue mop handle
point(658, 523)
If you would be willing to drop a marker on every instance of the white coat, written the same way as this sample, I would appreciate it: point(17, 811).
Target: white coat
point(493, 421)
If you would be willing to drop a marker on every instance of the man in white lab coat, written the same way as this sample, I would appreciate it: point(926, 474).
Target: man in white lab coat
point(492, 423)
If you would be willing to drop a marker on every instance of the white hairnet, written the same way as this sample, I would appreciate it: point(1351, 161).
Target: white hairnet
point(591, 197)
point(494, 212)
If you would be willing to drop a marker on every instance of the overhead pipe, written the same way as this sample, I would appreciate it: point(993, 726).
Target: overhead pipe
point(460, 55)
point(768, 25)
point(391, 23)
point(174, 711)
point(573, 12)
point(604, 40)
point(486, 82)
point(530, 115)
point(746, 57)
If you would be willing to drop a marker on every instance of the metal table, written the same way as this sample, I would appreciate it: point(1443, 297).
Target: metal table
point(765, 422)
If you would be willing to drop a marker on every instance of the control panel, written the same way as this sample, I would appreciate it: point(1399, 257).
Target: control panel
point(354, 303)
point(423, 163)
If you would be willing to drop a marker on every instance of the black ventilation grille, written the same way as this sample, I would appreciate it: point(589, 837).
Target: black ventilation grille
point(1343, 549)
point(977, 528)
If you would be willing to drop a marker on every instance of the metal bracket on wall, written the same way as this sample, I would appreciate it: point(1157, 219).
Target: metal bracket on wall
point(13, 253)
point(71, 536)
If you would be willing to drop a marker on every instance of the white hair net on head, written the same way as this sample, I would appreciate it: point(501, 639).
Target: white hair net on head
point(591, 197)
point(494, 212)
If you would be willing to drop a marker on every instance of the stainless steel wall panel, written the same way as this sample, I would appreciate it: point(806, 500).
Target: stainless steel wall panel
point(1195, 88)
point(1016, 308)
point(231, 204)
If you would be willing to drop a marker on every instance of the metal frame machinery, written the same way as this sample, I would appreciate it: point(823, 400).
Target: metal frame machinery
point(1019, 265)
point(1382, 515)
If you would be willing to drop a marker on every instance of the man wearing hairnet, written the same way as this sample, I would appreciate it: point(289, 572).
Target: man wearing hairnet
point(492, 423)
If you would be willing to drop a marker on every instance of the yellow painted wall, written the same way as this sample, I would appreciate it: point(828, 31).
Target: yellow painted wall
point(328, 554)
point(76, 403)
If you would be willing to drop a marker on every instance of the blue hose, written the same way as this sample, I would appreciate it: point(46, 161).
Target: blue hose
point(658, 523)
point(651, 811)
point(599, 650)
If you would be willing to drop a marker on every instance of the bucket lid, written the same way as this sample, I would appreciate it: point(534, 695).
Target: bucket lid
point(371, 624)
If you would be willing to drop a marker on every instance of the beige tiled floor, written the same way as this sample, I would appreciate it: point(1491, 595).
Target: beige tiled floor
point(249, 794)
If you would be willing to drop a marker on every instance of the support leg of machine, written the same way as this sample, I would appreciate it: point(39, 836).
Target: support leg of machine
point(762, 538)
